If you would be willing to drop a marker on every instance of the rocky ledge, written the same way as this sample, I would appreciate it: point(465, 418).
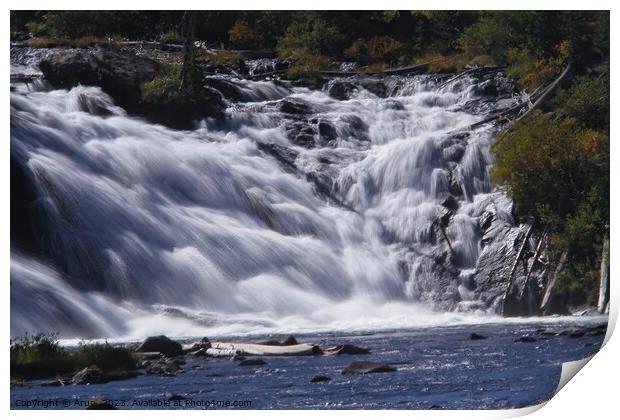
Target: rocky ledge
point(122, 74)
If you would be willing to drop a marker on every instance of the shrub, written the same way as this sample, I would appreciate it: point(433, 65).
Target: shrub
point(41, 355)
point(105, 356)
point(378, 49)
point(36, 28)
point(587, 100)
point(241, 35)
point(38, 355)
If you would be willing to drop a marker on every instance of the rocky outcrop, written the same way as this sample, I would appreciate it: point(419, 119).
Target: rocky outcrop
point(121, 74)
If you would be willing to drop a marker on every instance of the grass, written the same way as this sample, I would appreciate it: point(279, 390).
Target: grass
point(41, 356)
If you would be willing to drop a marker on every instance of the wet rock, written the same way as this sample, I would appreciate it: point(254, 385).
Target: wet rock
point(89, 375)
point(366, 367)
point(301, 133)
point(346, 349)
point(294, 107)
point(354, 127)
point(327, 131)
point(475, 336)
point(197, 346)
point(176, 397)
point(165, 366)
point(121, 75)
point(161, 344)
point(100, 405)
point(53, 382)
point(252, 362)
point(319, 379)
point(450, 203)
point(286, 341)
point(525, 339)
point(341, 89)
point(237, 358)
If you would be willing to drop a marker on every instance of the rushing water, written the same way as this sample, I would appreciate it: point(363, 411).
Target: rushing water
point(151, 230)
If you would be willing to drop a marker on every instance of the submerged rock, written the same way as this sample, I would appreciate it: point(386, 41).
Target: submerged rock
point(346, 349)
point(252, 362)
point(475, 336)
point(525, 339)
point(319, 379)
point(366, 367)
point(161, 344)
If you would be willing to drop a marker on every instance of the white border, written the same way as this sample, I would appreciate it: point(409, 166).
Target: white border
point(592, 396)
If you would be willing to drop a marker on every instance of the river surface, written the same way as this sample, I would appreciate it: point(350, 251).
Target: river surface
point(436, 368)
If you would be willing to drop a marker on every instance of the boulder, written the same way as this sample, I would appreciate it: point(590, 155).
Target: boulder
point(160, 344)
point(285, 341)
point(357, 368)
point(320, 378)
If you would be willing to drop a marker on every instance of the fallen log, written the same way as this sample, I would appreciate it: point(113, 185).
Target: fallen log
point(223, 349)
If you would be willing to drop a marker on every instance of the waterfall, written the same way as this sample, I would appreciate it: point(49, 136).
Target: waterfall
point(235, 226)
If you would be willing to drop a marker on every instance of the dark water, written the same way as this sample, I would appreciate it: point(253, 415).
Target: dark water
point(437, 368)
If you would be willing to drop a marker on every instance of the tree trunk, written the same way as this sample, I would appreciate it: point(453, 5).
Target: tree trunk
point(603, 294)
point(187, 32)
point(547, 299)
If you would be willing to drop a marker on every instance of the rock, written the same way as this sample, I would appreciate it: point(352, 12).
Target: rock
point(474, 336)
point(327, 131)
point(89, 375)
point(100, 405)
point(366, 367)
point(525, 339)
point(294, 107)
point(165, 366)
point(341, 90)
point(252, 362)
point(121, 75)
point(286, 341)
point(161, 344)
point(94, 375)
point(354, 127)
point(320, 378)
point(153, 355)
point(197, 347)
point(53, 382)
point(176, 397)
point(198, 353)
point(451, 203)
point(346, 349)
point(237, 358)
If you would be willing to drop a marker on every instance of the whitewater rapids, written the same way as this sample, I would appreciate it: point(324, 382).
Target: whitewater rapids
point(150, 230)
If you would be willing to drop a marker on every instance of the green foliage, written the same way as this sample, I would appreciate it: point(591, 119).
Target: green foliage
point(105, 356)
point(547, 162)
point(36, 28)
point(587, 100)
point(378, 49)
point(171, 37)
point(40, 355)
point(166, 85)
point(242, 35)
point(311, 35)
point(531, 71)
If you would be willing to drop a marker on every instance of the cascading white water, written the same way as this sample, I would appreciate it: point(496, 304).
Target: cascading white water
point(189, 232)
